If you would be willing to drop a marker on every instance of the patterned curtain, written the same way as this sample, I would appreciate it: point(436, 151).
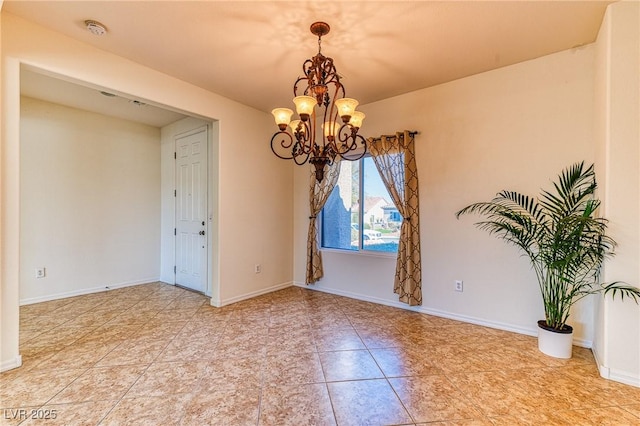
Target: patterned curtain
point(394, 157)
point(318, 194)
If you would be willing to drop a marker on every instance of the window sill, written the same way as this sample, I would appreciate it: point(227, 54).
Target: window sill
point(365, 253)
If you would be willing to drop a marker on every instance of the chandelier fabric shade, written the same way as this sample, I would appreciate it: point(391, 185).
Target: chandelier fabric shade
point(327, 124)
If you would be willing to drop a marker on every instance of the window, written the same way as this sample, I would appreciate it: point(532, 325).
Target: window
point(367, 222)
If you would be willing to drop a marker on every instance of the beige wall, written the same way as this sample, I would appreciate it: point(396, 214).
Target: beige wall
point(254, 188)
point(617, 130)
point(512, 128)
point(89, 201)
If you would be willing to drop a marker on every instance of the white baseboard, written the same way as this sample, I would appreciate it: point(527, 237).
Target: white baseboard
point(80, 292)
point(220, 303)
point(616, 375)
point(623, 377)
point(532, 331)
point(10, 364)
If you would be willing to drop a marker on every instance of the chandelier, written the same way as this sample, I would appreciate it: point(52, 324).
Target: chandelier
point(328, 123)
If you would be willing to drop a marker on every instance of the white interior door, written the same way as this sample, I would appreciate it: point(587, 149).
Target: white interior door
point(191, 210)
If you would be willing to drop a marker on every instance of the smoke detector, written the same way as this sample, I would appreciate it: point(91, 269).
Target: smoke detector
point(95, 27)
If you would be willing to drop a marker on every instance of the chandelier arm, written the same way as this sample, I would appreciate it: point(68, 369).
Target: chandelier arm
point(331, 115)
point(295, 86)
point(307, 72)
point(307, 137)
point(350, 141)
point(283, 143)
point(302, 145)
point(302, 158)
point(329, 71)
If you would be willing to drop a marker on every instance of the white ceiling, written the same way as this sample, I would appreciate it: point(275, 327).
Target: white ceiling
point(252, 51)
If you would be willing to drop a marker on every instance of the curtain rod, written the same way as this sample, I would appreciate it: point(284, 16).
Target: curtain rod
point(411, 133)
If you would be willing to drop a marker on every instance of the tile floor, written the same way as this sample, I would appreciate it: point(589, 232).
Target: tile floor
point(155, 354)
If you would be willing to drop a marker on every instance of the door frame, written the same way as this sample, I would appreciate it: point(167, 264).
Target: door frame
point(168, 200)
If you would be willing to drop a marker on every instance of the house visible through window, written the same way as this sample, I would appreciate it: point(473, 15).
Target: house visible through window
point(359, 214)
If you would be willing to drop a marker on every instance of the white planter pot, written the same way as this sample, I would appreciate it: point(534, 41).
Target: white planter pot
point(554, 343)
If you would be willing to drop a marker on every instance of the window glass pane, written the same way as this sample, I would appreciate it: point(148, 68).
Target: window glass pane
point(340, 213)
point(381, 220)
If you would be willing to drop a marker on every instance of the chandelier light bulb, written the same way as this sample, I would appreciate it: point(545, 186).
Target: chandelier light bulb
point(282, 117)
point(304, 106)
point(346, 107)
point(356, 119)
point(330, 129)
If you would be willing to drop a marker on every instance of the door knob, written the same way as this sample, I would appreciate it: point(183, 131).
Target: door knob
point(201, 232)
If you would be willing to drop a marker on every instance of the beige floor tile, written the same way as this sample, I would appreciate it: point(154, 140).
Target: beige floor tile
point(338, 340)
point(223, 407)
point(27, 334)
point(563, 418)
point(46, 322)
point(433, 398)
point(633, 409)
point(184, 314)
point(110, 333)
point(57, 338)
point(366, 402)
point(184, 349)
point(197, 330)
point(77, 356)
point(168, 378)
point(283, 318)
point(35, 388)
point(148, 410)
point(239, 348)
point(186, 303)
point(498, 393)
point(349, 365)
point(295, 344)
point(503, 356)
point(472, 422)
point(158, 330)
point(329, 322)
point(134, 316)
point(460, 358)
point(610, 416)
point(298, 405)
point(15, 416)
point(233, 373)
point(134, 352)
point(79, 414)
point(96, 384)
point(381, 339)
point(396, 362)
point(159, 354)
point(92, 319)
point(288, 368)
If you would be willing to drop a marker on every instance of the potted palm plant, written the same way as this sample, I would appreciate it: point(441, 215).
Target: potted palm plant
point(565, 242)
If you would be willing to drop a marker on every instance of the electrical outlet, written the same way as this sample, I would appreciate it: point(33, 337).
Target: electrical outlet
point(459, 285)
point(40, 272)
point(258, 268)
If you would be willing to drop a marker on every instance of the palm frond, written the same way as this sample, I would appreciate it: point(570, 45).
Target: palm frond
point(624, 290)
